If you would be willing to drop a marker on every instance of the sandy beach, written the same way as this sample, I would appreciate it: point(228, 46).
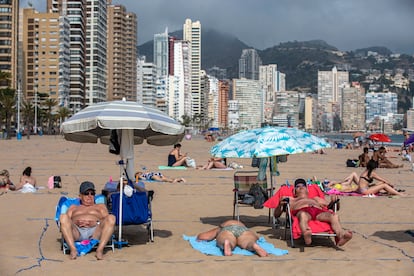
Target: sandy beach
point(30, 240)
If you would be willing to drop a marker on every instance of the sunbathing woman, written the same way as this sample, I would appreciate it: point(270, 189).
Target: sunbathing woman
point(367, 177)
point(26, 178)
point(175, 158)
point(233, 233)
point(349, 184)
point(157, 176)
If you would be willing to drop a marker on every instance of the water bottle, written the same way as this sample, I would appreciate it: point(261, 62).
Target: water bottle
point(287, 183)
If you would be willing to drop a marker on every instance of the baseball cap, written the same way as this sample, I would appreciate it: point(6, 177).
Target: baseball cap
point(300, 181)
point(86, 186)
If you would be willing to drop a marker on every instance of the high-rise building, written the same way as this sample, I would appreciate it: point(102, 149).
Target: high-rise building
point(380, 104)
point(146, 76)
point(249, 95)
point(96, 51)
point(249, 64)
point(46, 59)
point(268, 80)
point(330, 84)
point(9, 18)
point(179, 98)
point(75, 11)
point(192, 33)
point(121, 53)
point(161, 53)
point(223, 98)
point(353, 108)
point(213, 101)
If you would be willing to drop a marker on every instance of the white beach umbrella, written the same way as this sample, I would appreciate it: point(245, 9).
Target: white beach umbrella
point(134, 123)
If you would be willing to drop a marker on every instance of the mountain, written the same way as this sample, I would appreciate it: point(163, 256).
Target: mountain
point(218, 49)
point(299, 60)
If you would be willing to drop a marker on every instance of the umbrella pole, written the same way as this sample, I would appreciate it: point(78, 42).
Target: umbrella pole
point(121, 182)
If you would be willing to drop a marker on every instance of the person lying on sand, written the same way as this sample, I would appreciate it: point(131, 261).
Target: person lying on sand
point(157, 176)
point(232, 233)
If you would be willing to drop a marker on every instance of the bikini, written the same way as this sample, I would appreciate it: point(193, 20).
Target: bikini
point(236, 230)
point(369, 180)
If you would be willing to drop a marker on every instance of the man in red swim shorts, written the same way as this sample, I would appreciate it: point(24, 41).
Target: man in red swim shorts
point(306, 209)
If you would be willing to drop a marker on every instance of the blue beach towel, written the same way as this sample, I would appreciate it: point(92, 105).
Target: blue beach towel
point(211, 248)
point(85, 246)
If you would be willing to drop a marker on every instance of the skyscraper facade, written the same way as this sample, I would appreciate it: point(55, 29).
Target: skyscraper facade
point(249, 64)
point(353, 108)
point(75, 11)
point(380, 104)
point(96, 51)
point(9, 19)
point(249, 95)
point(192, 33)
point(121, 54)
point(161, 53)
point(46, 59)
point(330, 84)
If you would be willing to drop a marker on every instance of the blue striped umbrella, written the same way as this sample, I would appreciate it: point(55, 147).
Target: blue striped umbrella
point(268, 142)
point(134, 122)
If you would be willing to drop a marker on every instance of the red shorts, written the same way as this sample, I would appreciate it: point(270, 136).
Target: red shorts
point(311, 210)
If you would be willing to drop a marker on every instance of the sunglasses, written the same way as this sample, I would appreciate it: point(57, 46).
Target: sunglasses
point(89, 193)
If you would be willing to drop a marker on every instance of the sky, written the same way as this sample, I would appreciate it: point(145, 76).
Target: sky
point(345, 24)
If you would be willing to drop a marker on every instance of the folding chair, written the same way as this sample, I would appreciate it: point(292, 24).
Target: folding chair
point(63, 206)
point(243, 181)
point(319, 228)
point(136, 210)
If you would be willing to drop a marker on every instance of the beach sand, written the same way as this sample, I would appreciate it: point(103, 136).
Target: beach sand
point(30, 240)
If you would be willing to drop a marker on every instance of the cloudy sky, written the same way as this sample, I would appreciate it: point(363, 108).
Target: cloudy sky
point(345, 24)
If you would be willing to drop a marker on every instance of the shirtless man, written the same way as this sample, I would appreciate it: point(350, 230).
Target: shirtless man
point(85, 221)
point(306, 209)
point(232, 233)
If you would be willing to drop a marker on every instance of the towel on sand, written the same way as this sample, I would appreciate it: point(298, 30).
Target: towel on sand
point(172, 168)
point(211, 248)
point(85, 246)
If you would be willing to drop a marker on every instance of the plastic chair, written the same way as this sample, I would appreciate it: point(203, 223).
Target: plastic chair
point(62, 207)
point(243, 181)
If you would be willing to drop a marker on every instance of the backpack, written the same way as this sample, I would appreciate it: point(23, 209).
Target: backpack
point(352, 163)
point(260, 196)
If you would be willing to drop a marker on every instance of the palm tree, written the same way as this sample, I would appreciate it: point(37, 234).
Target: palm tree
point(49, 104)
point(27, 114)
point(7, 107)
point(5, 79)
point(62, 114)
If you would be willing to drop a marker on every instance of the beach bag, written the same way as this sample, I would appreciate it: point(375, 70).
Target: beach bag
point(57, 181)
point(255, 162)
point(352, 163)
point(54, 181)
point(190, 162)
point(259, 195)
